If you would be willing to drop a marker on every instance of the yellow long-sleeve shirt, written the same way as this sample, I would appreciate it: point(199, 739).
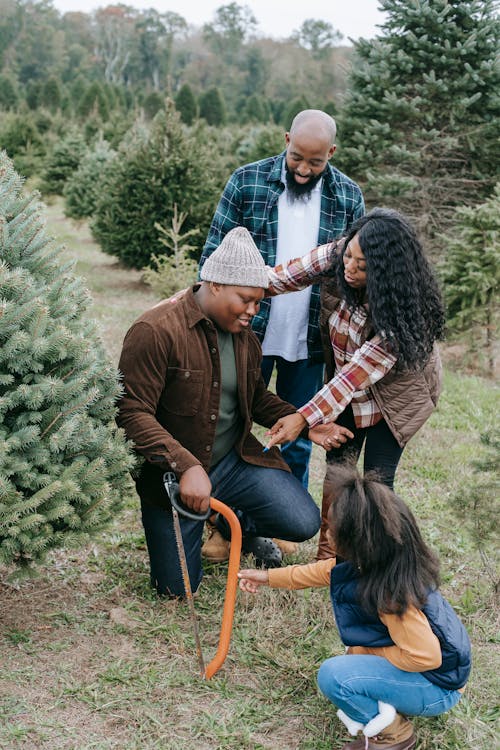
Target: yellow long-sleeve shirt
point(416, 648)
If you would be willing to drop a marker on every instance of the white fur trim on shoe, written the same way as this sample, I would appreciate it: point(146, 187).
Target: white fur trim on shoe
point(353, 727)
point(386, 715)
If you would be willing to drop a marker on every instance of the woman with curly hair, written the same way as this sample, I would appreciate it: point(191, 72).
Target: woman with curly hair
point(381, 315)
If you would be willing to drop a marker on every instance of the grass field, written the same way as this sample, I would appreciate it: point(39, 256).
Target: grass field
point(91, 659)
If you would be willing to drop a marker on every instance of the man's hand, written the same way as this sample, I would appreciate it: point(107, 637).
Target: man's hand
point(286, 429)
point(195, 488)
point(250, 580)
point(330, 435)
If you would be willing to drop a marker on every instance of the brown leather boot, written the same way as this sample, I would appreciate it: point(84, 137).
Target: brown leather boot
point(287, 548)
point(397, 736)
point(216, 548)
point(325, 549)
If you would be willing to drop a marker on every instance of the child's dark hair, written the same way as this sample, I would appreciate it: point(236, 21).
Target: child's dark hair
point(377, 533)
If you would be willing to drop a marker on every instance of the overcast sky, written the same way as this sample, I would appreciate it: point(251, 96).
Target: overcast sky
point(276, 18)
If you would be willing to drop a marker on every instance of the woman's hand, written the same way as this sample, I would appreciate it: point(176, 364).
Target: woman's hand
point(286, 429)
point(250, 580)
point(330, 435)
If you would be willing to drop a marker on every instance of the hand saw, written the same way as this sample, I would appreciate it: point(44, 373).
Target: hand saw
point(172, 488)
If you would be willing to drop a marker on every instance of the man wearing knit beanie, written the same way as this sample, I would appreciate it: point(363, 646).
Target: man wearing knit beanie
point(291, 203)
point(192, 389)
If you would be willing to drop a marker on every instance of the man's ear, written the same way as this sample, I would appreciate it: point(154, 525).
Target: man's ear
point(214, 288)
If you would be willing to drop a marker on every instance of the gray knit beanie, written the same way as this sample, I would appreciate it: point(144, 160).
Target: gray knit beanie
point(237, 261)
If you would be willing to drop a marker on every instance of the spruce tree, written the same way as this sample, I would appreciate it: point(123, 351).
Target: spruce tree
point(8, 93)
point(63, 161)
point(63, 463)
point(94, 100)
point(83, 187)
point(154, 169)
point(418, 129)
point(212, 107)
point(185, 104)
point(470, 272)
point(51, 96)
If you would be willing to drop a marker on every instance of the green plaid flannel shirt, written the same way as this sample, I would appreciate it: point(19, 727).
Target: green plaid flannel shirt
point(250, 199)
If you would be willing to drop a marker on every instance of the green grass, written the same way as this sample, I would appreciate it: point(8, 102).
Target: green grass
point(91, 659)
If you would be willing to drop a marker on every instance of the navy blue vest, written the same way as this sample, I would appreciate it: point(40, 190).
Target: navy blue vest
point(357, 627)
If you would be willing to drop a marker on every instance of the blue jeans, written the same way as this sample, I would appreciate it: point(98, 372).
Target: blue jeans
point(296, 382)
point(268, 502)
point(356, 682)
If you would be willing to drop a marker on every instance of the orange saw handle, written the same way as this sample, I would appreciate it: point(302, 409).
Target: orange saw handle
point(231, 587)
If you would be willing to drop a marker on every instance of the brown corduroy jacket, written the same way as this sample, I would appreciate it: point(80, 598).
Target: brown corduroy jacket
point(171, 376)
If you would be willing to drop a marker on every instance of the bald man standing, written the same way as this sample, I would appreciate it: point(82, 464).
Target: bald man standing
point(291, 203)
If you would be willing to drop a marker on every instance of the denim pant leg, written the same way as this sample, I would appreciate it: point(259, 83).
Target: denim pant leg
point(296, 382)
point(166, 574)
point(268, 502)
point(356, 683)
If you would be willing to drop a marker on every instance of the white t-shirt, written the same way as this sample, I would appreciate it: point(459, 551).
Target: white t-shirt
point(298, 227)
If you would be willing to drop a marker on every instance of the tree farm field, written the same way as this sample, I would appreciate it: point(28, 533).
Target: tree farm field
point(91, 659)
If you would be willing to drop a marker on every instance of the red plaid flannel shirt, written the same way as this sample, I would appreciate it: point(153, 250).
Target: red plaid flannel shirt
point(358, 364)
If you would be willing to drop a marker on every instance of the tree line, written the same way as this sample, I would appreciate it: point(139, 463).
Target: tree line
point(133, 116)
point(55, 60)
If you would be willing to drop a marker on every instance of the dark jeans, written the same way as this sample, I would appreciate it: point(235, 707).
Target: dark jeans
point(268, 502)
point(296, 382)
point(382, 450)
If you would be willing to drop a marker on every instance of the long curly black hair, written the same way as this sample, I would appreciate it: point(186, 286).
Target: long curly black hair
point(377, 533)
point(404, 300)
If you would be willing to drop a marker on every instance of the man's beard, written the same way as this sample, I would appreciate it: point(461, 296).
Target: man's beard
point(297, 191)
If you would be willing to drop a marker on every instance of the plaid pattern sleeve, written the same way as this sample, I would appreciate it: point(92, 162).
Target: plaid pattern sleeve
point(228, 215)
point(300, 272)
point(250, 199)
point(367, 366)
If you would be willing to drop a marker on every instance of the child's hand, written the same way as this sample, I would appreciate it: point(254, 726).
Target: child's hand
point(250, 580)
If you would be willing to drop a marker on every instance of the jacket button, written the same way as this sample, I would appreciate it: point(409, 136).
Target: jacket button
point(207, 447)
point(216, 384)
point(213, 417)
point(173, 464)
point(213, 350)
point(187, 374)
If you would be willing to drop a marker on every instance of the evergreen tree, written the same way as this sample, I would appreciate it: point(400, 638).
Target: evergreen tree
point(33, 94)
point(260, 142)
point(212, 107)
point(154, 169)
point(477, 503)
point(418, 129)
point(254, 109)
point(470, 271)
point(63, 161)
point(8, 93)
point(185, 104)
point(175, 270)
point(94, 100)
point(21, 140)
point(83, 187)
point(295, 106)
point(63, 463)
point(51, 94)
point(152, 104)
